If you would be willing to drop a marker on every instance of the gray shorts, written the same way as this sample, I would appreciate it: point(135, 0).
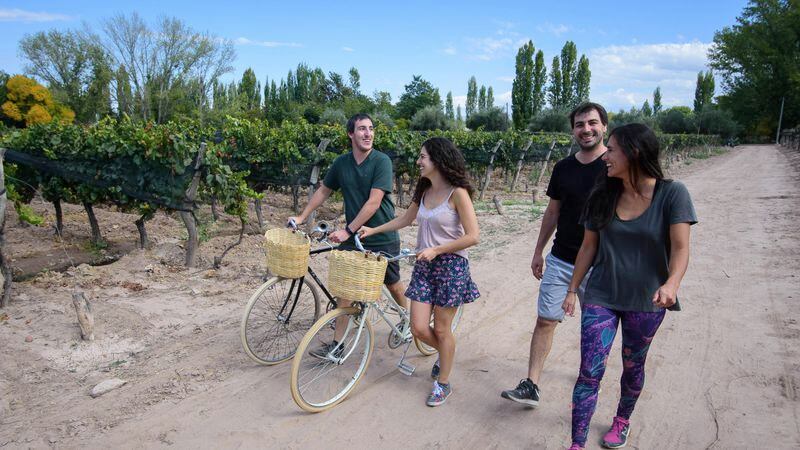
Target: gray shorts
point(553, 289)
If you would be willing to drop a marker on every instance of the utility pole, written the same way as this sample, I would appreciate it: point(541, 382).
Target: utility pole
point(780, 119)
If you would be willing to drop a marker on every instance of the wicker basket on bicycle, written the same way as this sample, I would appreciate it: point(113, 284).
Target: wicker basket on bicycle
point(356, 276)
point(287, 252)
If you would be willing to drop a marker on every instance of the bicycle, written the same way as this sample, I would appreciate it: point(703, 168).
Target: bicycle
point(281, 310)
point(317, 383)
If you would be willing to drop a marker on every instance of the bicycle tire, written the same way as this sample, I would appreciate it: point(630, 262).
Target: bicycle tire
point(265, 337)
point(426, 349)
point(320, 384)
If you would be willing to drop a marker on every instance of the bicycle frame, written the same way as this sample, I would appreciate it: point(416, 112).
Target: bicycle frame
point(298, 283)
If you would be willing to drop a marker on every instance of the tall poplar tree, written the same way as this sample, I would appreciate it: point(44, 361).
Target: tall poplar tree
point(472, 97)
point(489, 98)
point(522, 90)
point(448, 106)
point(482, 99)
point(657, 100)
point(248, 90)
point(569, 69)
point(538, 97)
point(704, 90)
point(554, 89)
point(646, 110)
point(583, 79)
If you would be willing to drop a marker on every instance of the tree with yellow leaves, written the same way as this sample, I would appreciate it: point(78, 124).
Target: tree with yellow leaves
point(28, 103)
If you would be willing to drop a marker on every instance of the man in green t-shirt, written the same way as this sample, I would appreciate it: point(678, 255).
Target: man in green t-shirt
point(365, 178)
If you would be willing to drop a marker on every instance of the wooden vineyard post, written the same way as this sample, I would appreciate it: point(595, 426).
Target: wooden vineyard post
point(498, 205)
point(5, 271)
point(259, 213)
point(83, 309)
point(519, 164)
point(398, 184)
point(188, 216)
point(314, 178)
point(544, 163)
point(490, 169)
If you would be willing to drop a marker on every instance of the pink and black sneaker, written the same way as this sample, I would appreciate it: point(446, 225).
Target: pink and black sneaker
point(617, 435)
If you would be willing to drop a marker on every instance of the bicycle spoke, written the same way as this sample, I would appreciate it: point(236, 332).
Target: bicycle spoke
point(270, 336)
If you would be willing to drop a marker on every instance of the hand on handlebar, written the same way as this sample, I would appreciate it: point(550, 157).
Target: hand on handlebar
point(365, 231)
point(293, 222)
point(339, 236)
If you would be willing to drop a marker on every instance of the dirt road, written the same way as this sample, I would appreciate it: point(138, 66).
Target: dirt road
point(723, 373)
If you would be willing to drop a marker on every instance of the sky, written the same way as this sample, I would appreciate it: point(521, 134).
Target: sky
point(632, 46)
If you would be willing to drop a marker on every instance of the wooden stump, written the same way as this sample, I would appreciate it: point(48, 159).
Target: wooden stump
point(498, 205)
point(85, 317)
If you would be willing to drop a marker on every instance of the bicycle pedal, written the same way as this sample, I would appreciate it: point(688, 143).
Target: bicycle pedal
point(406, 368)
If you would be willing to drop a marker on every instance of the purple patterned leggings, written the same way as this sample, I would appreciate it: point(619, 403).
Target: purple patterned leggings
point(598, 328)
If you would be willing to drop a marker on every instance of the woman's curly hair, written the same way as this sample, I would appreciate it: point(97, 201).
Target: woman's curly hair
point(449, 161)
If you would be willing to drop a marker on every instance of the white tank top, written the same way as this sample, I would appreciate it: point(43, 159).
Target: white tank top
point(438, 225)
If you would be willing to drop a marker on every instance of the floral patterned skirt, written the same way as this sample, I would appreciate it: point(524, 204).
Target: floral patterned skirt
point(443, 282)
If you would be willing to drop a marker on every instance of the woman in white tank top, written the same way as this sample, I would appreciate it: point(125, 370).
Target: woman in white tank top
point(442, 206)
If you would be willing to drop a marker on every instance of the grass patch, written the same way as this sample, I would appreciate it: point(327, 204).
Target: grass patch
point(27, 215)
point(96, 248)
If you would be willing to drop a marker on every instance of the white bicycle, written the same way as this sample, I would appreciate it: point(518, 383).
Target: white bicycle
point(319, 383)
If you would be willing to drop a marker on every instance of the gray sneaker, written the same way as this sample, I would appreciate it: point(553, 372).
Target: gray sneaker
point(439, 394)
point(526, 393)
point(323, 351)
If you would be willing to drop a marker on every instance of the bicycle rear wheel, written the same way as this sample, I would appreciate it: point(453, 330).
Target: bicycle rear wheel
point(318, 383)
point(276, 317)
point(426, 349)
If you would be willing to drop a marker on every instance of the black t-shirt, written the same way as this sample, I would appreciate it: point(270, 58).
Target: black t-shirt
point(570, 184)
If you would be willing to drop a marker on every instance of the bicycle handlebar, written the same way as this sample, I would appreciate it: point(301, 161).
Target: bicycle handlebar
point(404, 253)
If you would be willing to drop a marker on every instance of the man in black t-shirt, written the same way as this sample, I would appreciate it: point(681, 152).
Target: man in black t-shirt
point(572, 179)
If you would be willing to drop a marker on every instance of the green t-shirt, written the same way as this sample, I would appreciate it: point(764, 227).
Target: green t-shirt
point(356, 181)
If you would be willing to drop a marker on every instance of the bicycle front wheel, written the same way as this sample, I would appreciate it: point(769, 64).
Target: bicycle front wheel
point(321, 382)
point(426, 349)
point(276, 317)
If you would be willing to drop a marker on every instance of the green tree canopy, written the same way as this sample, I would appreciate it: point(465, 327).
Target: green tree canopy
point(418, 94)
point(758, 60)
point(522, 87)
point(472, 96)
point(75, 68)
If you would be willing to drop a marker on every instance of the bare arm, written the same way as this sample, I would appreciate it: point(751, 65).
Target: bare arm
point(368, 210)
point(395, 224)
point(582, 263)
point(317, 199)
point(549, 222)
point(466, 211)
point(667, 294)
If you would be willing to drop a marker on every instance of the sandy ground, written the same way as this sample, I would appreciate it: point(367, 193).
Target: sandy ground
point(723, 373)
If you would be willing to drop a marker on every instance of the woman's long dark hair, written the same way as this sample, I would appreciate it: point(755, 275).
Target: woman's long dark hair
point(640, 146)
point(449, 161)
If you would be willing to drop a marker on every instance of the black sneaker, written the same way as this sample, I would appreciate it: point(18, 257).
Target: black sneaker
point(526, 393)
point(324, 350)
